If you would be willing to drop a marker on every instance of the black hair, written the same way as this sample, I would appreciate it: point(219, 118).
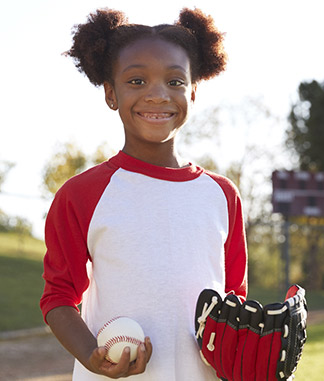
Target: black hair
point(97, 43)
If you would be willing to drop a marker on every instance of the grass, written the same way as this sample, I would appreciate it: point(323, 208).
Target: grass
point(315, 299)
point(311, 366)
point(21, 283)
point(15, 245)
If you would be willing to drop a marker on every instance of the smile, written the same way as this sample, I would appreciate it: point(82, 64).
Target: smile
point(156, 115)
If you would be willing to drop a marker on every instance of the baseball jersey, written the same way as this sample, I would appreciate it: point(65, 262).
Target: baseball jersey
point(128, 238)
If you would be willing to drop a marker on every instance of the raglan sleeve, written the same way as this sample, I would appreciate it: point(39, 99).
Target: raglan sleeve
point(65, 261)
point(235, 245)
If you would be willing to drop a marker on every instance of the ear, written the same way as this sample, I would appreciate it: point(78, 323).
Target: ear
point(193, 92)
point(110, 96)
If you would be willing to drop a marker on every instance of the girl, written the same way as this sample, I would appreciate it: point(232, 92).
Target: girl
point(143, 233)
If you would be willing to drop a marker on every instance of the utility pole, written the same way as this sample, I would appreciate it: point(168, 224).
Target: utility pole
point(286, 252)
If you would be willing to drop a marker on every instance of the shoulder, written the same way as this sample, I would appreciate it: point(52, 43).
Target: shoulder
point(89, 180)
point(228, 187)
point(79, 195)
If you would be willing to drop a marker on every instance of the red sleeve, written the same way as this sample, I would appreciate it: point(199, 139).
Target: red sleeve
point(235, 246)
point(66, 230)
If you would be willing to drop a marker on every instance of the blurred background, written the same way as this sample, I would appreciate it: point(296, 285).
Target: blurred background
point(261, 123)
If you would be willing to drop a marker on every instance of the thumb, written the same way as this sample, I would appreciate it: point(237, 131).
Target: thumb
point(97, 359)
point(101, 352)
point(98, 355)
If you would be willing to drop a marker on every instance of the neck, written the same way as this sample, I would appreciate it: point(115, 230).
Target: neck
point(163, 155)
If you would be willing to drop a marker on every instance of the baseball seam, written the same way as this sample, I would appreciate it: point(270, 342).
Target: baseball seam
point(119, 339)
point(107, 323)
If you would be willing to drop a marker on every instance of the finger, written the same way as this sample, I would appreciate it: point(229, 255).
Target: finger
point(121, 369)
point(100, 360)
point(139, 365)
point(117, 370)
point(98, 356)
point(101, 352)
point(149, 348)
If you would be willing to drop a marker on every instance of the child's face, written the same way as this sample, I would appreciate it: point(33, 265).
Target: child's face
point(152, 90)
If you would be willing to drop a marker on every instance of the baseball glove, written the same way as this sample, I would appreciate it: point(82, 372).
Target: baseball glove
point(245, 342)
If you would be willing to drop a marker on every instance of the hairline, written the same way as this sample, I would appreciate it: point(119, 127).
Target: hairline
point(155, 35)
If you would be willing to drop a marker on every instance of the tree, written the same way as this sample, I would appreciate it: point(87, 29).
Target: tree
point(102, 153)
point(5, 167)
point(65, 163)
point(69, 161)
point(305, 134)
point(10, 223)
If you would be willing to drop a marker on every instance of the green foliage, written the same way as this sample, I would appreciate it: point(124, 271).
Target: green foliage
point(306, 137)
point(65, 163)
point(208, 163)
point(306, 132)
point(69, 161)
point(102, 153)
point(14, 224)
point(307, 248)
point(5, 167)
point(265, 267)
point(10, 223)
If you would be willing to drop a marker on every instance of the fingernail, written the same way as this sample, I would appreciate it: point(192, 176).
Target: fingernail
point(127, 350)
point(142, 347)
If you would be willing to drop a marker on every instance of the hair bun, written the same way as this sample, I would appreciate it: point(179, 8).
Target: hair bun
point(195, 20)
point(209, 41)
point(91, 42)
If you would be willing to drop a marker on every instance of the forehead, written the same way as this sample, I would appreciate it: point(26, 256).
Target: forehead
point(147, 52)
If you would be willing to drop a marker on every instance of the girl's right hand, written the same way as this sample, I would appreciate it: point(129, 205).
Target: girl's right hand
point(99, 365)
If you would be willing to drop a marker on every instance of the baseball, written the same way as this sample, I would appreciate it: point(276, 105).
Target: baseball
point(118, 333)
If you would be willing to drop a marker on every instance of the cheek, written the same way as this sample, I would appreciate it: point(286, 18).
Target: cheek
point(124, 104)
point(187, 99)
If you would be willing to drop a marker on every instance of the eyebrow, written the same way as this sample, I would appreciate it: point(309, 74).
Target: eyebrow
point(137, 66)
point(133, 67)
point(178, 67)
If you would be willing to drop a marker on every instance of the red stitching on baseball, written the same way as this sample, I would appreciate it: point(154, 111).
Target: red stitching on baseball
point(120, 339)
point(108, 323)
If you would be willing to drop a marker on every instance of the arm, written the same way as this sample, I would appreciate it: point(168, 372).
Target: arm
point(235, 246)
point(70, 329)
point(236, 250)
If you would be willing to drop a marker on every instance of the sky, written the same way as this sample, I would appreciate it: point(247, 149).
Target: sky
point(272, 47)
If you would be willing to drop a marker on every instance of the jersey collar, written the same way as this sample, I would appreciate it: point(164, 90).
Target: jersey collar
point(132, 164)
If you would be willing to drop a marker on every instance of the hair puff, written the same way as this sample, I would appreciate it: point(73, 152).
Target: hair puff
point(210, 42)
point(91, 42)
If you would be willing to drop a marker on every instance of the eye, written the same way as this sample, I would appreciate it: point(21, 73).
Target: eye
point(176, 82)
point(136, 81)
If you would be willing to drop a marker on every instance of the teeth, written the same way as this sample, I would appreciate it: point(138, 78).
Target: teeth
point(156, 115)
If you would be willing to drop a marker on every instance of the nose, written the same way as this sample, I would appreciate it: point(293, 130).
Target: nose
point(157, 93)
